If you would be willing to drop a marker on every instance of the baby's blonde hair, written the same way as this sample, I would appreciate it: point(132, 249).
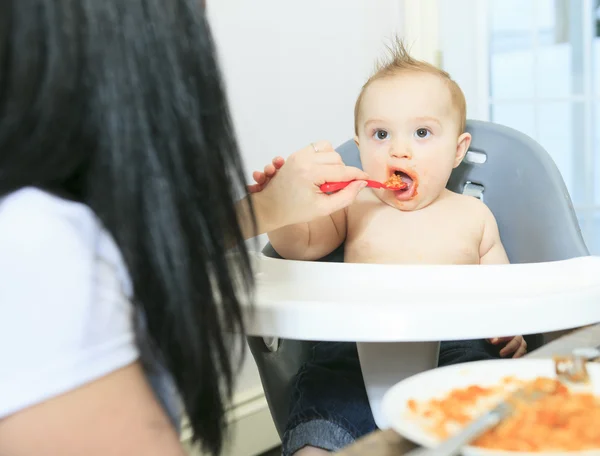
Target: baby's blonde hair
point(399, 61)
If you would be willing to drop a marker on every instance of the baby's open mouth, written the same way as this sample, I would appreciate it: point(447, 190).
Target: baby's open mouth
point(403, 184)
point(399, 181)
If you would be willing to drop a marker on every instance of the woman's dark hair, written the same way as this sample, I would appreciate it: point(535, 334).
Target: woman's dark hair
point(119, 104)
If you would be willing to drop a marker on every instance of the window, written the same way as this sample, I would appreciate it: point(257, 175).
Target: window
point(544, 58)
point(533, 65)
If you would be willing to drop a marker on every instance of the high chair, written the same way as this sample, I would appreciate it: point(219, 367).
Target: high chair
point(517, 179)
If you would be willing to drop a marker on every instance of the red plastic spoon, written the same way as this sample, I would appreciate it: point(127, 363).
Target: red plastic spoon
point(330, 187)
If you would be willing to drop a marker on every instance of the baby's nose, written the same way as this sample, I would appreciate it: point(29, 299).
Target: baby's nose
point(401, 152)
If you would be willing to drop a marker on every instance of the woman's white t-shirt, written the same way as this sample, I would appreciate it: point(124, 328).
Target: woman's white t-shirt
point(65, 308)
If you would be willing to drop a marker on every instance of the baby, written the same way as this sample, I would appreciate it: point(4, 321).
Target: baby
point(409, 123)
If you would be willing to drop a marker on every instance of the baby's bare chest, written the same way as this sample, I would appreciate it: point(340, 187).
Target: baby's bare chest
point(381, 234)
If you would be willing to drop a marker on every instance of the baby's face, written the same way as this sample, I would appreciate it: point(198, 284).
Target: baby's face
point(407, 125)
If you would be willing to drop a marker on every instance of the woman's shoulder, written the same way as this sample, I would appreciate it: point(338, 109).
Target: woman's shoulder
point(65, 314)
point(36, 225)
point(34, 216)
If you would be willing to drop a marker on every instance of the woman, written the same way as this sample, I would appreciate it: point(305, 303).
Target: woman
point(119, 173)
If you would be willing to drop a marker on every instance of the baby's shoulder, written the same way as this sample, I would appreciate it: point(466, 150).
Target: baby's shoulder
point(465, 202)
point(469, 206)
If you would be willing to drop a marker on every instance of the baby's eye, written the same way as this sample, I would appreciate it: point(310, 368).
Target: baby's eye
point(381, 135)
point(422, 133)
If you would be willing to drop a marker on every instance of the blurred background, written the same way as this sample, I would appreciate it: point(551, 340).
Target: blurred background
point(294, 69)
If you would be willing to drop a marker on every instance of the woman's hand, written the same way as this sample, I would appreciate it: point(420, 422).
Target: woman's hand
point(291, 193)
point(262, 178)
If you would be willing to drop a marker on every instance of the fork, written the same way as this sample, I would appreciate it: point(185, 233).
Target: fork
point(488, 420)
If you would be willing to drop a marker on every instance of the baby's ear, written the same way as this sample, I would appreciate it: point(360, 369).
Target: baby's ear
point(464, 141)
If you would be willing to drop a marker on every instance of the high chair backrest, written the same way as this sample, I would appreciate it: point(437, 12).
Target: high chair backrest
point(516, 178)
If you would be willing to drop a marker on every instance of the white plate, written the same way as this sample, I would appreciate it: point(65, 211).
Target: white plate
point(438, 382)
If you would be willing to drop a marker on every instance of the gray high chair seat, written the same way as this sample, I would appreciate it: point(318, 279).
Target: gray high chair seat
point(517, 179)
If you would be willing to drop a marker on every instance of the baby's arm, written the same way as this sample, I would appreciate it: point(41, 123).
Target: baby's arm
point(491, 250)
point(312, 240)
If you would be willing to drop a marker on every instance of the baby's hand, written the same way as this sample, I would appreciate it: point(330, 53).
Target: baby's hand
point(515, 346)
point(263, 178)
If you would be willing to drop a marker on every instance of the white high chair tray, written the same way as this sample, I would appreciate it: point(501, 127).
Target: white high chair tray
point(309, 300)
point(386, 308)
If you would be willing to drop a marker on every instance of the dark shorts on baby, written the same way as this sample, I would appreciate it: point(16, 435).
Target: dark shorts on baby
point(330, 408)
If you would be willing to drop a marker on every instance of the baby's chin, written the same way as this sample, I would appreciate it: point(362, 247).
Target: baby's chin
point(405, 206)
point(415, 203)
point(389, 198)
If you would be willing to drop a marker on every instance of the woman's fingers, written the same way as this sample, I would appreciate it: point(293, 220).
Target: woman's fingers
point(262, 178)
point(339, 173)
point(270, 170)
point(291, 186)
point(343, 198)
point(326, 154)
point(325, 165)
point(259, 177)
point(328, 158)
point(321, 146)
point(254, 188)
